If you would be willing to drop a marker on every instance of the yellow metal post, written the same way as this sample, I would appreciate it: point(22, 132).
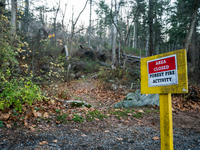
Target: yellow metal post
point(166, 127)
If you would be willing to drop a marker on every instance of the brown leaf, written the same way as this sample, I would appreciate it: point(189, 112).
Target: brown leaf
point(55, 141)
point(35, 113)
point(43, 142)
point(153, 123)
point(32, 128)
point(155, 138)
point(76, 130)
point(46, 115)
point(141, 111)
point(58, 122)
point(25, 123)
point(52, 101)
point(97, 119)
point(119, 139)
point(4, 116)
point(69, 118)
point(8, 125)
point(39, 114)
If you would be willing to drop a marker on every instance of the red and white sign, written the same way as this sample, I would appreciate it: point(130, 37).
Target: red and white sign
point(162, 71)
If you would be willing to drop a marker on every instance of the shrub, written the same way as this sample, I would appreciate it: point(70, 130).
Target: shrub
point(17, 91)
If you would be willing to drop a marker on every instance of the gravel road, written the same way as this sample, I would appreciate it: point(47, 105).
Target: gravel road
point(118, 137)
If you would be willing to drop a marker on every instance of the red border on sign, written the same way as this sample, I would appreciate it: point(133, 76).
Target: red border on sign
point(163, 64)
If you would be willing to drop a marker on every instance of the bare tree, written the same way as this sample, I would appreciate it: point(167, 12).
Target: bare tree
point(115, 32)
point(56, 14)
point(90, 22)
point(63, 17)
point(74, 24)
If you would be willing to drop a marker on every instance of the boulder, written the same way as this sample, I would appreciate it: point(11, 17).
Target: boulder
point(138, 99)
point(77, 103)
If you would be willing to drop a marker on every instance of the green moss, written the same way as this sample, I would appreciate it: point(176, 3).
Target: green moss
point(138, 115)
point(78, 118)
point(62, 118)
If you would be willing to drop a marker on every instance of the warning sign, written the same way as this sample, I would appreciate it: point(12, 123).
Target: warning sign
point(162, 71)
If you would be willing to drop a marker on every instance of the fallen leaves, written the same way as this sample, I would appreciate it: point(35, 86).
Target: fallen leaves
point(140, 111)
point(45, 115)
point(153, 123)
point(32, 128)
point(55, 141)
point(43, 142)
point(36, 114)
point(120, 139)
point(155, 138)
point(4, 116)
point(182, 104)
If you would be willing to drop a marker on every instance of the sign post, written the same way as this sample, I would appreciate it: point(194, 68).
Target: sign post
point(165, 74)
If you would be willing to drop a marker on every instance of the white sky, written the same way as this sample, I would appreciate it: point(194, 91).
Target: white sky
point(78, 6)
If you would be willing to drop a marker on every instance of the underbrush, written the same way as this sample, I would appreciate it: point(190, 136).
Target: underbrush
point(119, 76)
point(17, 91)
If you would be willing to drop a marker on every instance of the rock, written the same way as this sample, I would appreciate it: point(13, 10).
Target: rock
point(138, 99)
point(76, 103)
point(114, 87)
point(72, 75)
point(94, 77)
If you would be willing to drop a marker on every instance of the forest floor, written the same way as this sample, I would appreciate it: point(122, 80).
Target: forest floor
point(55, 125)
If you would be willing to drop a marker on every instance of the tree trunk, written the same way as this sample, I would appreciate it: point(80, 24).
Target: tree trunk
point(115, 33)
point(147, 45)
point(55, 26)
point(74, 24)
point(194, 53)
point(135, 33)
point(90, 22)
point(2, 6)
point(192, 24)
point(26, 17)
point(13, 17)
point(150, 27)
point(114, 42)
point(111, 34)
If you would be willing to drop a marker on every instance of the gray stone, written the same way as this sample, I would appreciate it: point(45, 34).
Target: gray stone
point(114, 87)
point(82, 103)
point(72, 75)
point(138, 99)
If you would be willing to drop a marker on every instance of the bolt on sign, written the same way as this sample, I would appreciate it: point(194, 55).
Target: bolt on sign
point(165, 74)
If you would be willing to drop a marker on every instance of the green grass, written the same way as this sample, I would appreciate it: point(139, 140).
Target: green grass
point(138, 115)
point(78, 118)
point(95, 114)
point(1, 124)
point(62, 118)
point(121, 114)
